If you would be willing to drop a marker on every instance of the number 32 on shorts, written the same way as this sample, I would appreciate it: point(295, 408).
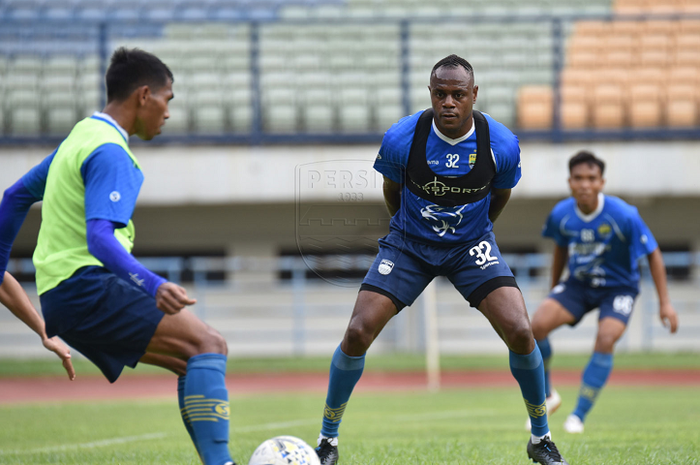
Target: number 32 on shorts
point(482, 252)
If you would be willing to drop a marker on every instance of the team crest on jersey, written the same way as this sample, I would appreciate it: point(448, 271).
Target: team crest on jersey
point(604, 230)
point(472, 160)
point(385, 267)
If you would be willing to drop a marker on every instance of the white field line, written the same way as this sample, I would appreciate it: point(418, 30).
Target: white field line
point(86, 445)
point(243, 429)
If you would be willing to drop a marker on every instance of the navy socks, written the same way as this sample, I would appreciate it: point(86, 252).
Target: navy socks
point(344, 375)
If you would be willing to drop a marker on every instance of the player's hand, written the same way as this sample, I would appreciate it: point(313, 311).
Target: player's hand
point(171, 298)
point(669, 317)
point(59, 348)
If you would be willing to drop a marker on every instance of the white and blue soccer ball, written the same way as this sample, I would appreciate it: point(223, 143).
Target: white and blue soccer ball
point(284, 450)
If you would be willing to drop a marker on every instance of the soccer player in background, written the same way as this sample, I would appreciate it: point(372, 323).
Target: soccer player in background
point(448, 173)
point(94, 294)
point(17, 301)
point(601, 237)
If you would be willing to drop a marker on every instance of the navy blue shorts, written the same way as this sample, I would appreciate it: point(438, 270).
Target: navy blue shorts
point(403, 268)
point(103, 317)
point(579, 299)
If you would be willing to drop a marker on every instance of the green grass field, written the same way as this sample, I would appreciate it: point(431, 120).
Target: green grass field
point(476, 426)
point(467, 426)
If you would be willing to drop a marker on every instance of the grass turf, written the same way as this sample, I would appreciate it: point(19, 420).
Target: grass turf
point(476, 426)
point(651, 360)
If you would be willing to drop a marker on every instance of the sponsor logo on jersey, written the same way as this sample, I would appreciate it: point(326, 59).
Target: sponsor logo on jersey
point(385, 267)
point(439, 189)
point(115, 196)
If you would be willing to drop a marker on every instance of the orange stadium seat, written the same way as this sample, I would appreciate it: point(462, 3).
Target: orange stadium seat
point(616, 59)
point(574, 106)
point(683, 75)
point(535, 107)
point(584, 59)
point(682, 105)
point(645, 105)
point(608, 106)
point(576, 76)
point(591, 28)
point(648, 75)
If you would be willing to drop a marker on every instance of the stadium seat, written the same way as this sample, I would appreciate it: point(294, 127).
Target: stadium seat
point(574, 106)
point(645, 106)
point(535, 105)
point(608, 106)
point(682, 105)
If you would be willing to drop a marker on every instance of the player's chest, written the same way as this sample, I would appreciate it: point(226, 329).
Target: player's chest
point(451, 160)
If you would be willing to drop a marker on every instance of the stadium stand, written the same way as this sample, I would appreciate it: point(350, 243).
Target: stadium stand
point(305, 67)
point(629, 73)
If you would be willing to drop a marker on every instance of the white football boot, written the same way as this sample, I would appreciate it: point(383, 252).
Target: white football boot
point(573, 424)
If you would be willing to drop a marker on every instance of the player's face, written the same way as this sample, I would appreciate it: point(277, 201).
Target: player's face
point(453, 94)
point(586, 182)
point(153, 111)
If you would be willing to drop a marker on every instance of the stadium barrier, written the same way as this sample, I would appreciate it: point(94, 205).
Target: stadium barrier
point(307, 316)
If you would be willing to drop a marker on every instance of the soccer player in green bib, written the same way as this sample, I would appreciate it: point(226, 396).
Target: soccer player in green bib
point(94, 294)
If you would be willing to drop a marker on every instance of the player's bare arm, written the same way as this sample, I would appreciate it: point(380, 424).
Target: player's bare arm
point(667, 313)
point(16, 300)
point(392, 195)
point(559, 259)
point(499, 199)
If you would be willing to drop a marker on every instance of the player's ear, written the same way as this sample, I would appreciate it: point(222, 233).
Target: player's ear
point(475, 91)
point(142, 94)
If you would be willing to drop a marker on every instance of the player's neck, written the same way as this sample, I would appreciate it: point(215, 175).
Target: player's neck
point(122, 116)
point(455, 133)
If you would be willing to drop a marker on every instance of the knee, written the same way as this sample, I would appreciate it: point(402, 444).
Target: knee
point(212, 343)
point(358, 337)
point(520, 339)
point(539, 331)
point(605, 343)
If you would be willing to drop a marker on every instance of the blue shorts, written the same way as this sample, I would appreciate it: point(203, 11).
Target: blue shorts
point(578, 299)
point(103, 317)
point(403, 268)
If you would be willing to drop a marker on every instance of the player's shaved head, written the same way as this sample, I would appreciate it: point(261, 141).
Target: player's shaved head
point(130, 69)
point(453, 61)
point(584, 156)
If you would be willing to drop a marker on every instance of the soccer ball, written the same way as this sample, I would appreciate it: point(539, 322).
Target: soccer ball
point(284, 450)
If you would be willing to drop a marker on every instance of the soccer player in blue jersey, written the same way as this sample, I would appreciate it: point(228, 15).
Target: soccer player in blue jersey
point(16, 300)
point(94, 294)
point(448, 173)
point(601, 237)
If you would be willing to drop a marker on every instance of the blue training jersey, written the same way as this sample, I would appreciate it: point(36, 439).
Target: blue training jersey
point(603, 246)
point(424, 221)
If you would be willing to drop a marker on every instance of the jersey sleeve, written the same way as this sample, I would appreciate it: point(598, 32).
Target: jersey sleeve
point(642, 241)
point(396, 145)
point(552, 229)
point(112, 184)
point(506, 150)
point(35, 180)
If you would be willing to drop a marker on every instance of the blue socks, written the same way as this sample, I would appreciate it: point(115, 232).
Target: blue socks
point(206, 407)
point(183, 412)
point(594, 378)
point(345, 373)
point(528, 371)
point(546, 351)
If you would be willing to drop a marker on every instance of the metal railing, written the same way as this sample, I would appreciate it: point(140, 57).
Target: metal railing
point(260, 313)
